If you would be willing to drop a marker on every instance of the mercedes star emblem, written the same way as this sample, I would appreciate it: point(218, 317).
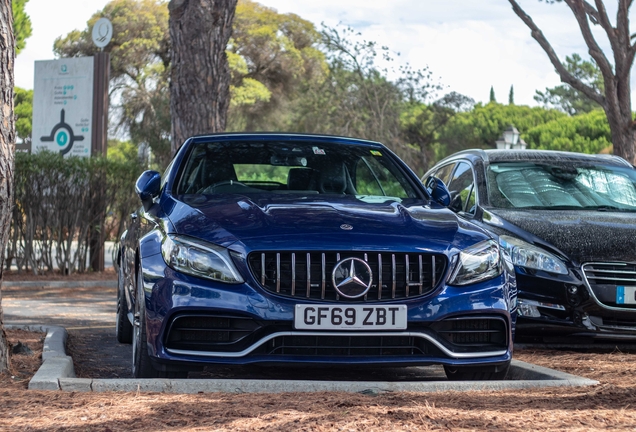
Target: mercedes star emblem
point(352, 277)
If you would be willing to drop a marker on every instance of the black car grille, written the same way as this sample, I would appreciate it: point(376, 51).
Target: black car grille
point(604, 279)
point(468, 334)
point(199, 333)
point(351, 346)
point(209, 333)
point(308, 274)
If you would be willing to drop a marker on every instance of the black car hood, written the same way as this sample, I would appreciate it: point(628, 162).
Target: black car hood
point(266, 223)
point(583, 236)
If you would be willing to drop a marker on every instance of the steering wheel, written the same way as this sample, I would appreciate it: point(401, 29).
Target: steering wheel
point(210, 189)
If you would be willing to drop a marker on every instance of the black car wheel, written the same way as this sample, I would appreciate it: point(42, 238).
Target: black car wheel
point(123, 328)
point(481, 373)
point(141, 365)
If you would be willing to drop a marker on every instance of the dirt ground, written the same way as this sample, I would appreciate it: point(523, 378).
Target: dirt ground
point(607, 406)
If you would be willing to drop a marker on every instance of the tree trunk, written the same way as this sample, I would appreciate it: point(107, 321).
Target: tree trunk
point(200, 75)
point(616, 99)
point(7, 149)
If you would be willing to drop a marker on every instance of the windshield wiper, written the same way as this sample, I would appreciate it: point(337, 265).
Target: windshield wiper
point(561, 207)
point(609, 208)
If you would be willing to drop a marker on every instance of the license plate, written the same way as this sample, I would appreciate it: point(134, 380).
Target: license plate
point(352, 317)
point(625, 295)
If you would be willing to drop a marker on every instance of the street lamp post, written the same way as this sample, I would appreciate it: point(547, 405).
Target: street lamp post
point(509, 140)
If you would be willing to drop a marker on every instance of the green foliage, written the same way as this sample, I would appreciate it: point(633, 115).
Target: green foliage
point(54, 200)
point(422, 124)
point(584, 133)
point(567, 99)
point(492, 94)
point(272, 57)
point(249, 91)
point(357, 99)
point(23, 110)
point(480, 127)
point(121, 151)
point(140, 37)
point(511, 96)
point(22, 28)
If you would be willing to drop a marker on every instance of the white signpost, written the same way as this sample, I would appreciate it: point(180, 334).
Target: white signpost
point(63, 106)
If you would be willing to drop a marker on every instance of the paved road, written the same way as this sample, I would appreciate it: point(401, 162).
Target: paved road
point(88, 314)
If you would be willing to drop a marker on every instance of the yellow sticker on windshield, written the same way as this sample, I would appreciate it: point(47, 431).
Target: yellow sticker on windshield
point(376, 153)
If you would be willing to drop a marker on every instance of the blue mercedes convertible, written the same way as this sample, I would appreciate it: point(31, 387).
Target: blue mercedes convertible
point(290, 249)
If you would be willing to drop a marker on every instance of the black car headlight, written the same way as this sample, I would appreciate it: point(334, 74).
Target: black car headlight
point(198, 258)
point(477, 263)
point(526, 255)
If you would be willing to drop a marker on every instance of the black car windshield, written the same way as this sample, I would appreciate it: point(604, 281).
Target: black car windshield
point(557, 187)
point(304, 168)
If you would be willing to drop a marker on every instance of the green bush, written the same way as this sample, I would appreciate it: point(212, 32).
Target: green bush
point(60, 203)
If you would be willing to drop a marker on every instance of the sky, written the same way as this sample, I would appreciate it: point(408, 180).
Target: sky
point(468, 45)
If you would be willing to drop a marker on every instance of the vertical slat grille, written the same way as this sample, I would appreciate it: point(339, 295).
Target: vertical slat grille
point(395, 275)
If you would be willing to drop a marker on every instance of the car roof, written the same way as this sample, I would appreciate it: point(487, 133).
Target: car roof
point(497, 155)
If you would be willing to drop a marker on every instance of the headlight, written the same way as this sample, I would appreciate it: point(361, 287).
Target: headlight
point(197, 258)
point(477, 263)
point(526, 255)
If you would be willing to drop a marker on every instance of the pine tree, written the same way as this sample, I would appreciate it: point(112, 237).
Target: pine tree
point(492, 94)
point(511, 96)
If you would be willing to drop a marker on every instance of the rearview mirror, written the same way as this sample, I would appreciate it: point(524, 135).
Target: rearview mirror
point(438, 191)
point(147, 187)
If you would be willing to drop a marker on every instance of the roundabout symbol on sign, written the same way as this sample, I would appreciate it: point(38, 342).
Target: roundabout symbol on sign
point(63, 135)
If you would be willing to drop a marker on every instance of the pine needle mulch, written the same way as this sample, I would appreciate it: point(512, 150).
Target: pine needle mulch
point(607, 406)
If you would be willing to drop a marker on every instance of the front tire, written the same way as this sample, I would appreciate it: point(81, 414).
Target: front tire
point(477, 373)
point(123, 327)
point(141, 364)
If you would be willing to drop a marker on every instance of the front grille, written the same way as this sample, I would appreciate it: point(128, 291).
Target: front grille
point(473, 334)
point(309, 274)
point(209, 333)
point(604, 278)
point(351, 346)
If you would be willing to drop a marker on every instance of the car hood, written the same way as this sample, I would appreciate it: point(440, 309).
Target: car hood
point(582, 235)
point(317, 223)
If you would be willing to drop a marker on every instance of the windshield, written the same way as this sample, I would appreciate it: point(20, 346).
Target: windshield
point(302, 168)
point(554, 186)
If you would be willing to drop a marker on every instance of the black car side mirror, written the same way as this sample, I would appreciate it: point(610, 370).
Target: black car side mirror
point(147, 187)
point(438, 191)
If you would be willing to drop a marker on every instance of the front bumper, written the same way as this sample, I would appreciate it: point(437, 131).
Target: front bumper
point(552, 306)
point(195, 322)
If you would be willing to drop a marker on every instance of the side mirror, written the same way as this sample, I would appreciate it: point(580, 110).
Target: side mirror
point(438, 191)
point(147, 187)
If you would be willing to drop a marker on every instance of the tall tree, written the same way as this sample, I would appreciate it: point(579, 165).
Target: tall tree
point(23, 110)
point(280, 52)
point(200, 74)
point(7, 149)
point(568, 99)
point(21, 24)
point(615, 98)
point(492, 94)
point(511, 96)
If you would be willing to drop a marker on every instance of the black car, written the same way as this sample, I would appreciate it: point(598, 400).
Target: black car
point(568, 221)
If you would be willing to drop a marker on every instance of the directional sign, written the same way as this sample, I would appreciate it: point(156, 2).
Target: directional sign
point(63, 106)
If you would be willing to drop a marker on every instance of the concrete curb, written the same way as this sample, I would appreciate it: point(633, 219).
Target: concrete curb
point(57, 373)
point(522, 375)
point(59, 284)
point(56, 364)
